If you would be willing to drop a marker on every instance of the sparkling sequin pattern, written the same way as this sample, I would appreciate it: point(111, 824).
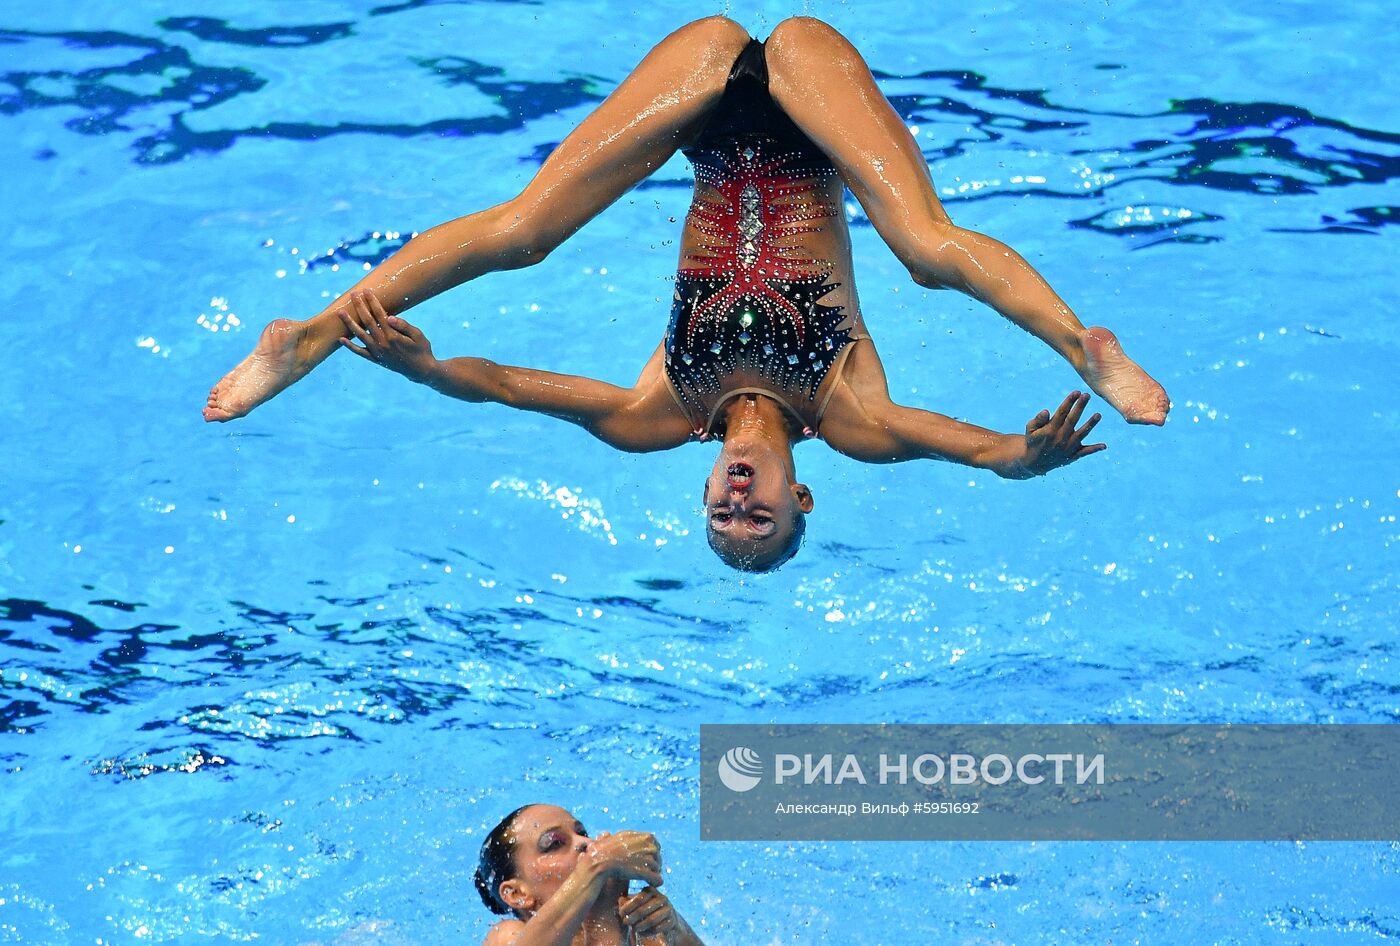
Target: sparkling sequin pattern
point(746, 304)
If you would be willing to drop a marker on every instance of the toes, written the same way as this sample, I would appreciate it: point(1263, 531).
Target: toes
point(1154, 415)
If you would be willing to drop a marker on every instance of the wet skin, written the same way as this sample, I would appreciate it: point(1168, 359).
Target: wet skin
point(822, 83)
point(548, 844)
point(568, 887)
point(752, 497)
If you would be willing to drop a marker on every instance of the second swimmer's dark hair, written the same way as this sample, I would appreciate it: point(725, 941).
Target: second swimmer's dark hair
point(496, 864)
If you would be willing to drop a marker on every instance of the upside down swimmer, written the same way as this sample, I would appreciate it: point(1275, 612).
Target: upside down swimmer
point(766, 345)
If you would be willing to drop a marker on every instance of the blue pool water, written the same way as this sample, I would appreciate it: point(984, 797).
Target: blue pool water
point(270, 681)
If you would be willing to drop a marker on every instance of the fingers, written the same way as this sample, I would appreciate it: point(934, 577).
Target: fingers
point(411, 332)
point(366, 320)
point(1037, 422)
point(652, 877)
point(1076, 410)
point(1064, 419)
point(642, 906)
point(389, 322)
point(626, 904)
point(351, 321)
point(641, 842)
point(357, 330)
point(630, 854)
point(1082, 432)
point(374, 321)
point(659, 922)
point(645, 862)
point(366, 317)
point(359, 323)
point(1063, 410)
point(376, 307)
point(346, 343)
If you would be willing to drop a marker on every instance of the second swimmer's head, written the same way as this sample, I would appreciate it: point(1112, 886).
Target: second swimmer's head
point(755, 514)
point(526, 857)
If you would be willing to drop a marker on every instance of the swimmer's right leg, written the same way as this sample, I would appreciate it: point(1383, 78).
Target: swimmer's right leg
point(633, 132)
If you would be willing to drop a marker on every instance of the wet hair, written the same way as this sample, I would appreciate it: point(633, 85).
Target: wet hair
point(745, 562)
point(496, 864)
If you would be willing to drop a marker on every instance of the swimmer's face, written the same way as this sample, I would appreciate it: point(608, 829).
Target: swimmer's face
point(548, 842)
point(753, 509)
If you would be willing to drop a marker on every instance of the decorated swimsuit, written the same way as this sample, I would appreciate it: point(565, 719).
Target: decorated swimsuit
point(748, 315)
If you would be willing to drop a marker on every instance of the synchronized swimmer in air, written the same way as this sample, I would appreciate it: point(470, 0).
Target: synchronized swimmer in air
point(766, 346)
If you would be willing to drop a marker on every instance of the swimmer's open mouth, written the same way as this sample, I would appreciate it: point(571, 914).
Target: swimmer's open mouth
point(739, 475)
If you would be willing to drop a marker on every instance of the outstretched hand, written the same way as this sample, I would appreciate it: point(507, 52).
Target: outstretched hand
point(1052, 441)
point(386, 339)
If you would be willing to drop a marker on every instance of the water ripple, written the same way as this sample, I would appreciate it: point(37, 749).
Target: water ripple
point(160, 83)
point(961, 118)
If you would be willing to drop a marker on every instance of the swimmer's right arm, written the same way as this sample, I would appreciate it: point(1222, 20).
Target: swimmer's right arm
point(628, 419)
point(559, 918)
point(624, 856)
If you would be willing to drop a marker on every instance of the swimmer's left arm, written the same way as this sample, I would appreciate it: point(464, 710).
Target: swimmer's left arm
point(862, 422)
point(891, 433)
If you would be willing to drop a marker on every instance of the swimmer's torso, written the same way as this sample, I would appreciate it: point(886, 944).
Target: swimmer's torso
point(764, 299)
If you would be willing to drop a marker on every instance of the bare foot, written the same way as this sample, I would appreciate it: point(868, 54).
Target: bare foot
point(276, 362)
point(1119, 381)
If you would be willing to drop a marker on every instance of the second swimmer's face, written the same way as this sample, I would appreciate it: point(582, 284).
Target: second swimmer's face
point(754, 512)
point(548, 842)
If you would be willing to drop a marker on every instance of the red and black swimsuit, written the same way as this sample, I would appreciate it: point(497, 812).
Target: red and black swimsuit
point(748, 314)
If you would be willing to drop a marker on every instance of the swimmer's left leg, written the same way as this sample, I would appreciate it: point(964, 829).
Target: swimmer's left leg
point(824, 85)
